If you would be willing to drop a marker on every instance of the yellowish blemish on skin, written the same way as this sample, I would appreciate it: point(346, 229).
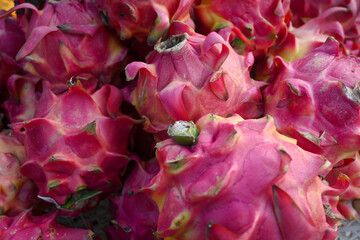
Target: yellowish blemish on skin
point(6, 5)
point(178, 221)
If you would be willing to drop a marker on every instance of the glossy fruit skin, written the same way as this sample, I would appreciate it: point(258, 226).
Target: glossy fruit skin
point(190, 75)
point(76, 141)
point(27, 226)
point(316, 101)
point(68, 38)
point(135, 213)
point(146, 20)
point(12, 38)
point(16, 191)
point(242, 180)
point(263, 22)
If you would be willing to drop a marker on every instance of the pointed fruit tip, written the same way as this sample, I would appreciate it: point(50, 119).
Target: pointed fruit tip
point(172, 44)
point(73, 81)
point(184, 133)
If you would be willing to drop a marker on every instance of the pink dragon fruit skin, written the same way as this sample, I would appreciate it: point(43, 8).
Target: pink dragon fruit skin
point(344, 11)
point(352, 193)
point(11, 38)
point(337, 18)
point(25, 92)
point(145, 19)
point(67, 38)
point(16, 192)
point(137, 214)
point(27, 226)
point(315, 100)
point(242, 180)
point(301, 41)
point(21, 104)
point(352, 47)
point(328, 19)
point(190, 75)
point(262, 21)
point(298, 42)
point(75, 141)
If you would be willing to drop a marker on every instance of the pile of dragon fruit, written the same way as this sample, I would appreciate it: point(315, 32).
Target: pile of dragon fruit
point(194, 119)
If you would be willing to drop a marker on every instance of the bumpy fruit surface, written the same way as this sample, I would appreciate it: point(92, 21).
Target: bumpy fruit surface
point(45, 227)
point(23, 97)
point(136, 213)
point(67, 38)
point(190, 75)
point(12, 38)
point(316, 100)
point(75, 141)
point(242, 180)
point(349, 201)
point(145, 19)
point(16, 191)
point(261, 21)
point(343, 12)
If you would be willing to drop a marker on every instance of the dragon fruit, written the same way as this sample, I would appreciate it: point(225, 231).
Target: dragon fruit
point(262, 21)
point(331, 20)
point(137, 214)
point(297, 43)
point(16, 192)
point(352, 194)
point(242, 180)
point(27, 226)
point(343, 11)
point(25, 91)
point(316, 100)
point(190, 75)
point(21, 104)
point(301, 41)
point(67, 38)
point(145, 19)
point(337, 18)
point(76, 141)
point(11, 38)
point(74, 134)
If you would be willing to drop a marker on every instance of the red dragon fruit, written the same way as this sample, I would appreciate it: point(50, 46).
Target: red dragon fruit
point(27, 226)
point(301, 41)
point(145, 18)
point(136, 213)
point(11, 38)
point(344, 11)
point(76, 141)
point(337, 18)
point(190, 75)
point(329, 19)
point(316, 100)
point(23, 98)
point(262, 21)
point(16, 192)
point(334, 16)
point(298, 42)
point(241, 180)
point(352, 194)
point(67, 38)
point(25, 92)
